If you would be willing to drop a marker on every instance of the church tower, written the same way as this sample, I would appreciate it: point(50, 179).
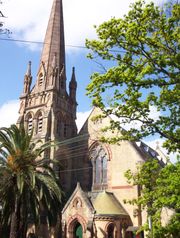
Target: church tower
point(47, 108)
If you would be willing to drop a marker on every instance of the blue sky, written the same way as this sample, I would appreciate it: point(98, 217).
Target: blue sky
point(28, 21)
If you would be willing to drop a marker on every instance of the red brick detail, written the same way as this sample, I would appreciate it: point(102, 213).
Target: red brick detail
point(122, 187)
point(72, 221)
point(105, 146)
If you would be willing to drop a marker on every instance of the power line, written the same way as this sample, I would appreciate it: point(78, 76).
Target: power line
point(75, 151)
point(45, 43)
point(73, 170)
point(39, 42)
point(73, 140)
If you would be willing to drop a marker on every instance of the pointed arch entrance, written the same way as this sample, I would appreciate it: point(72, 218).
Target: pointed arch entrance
point(76, 227)
point(78, 231)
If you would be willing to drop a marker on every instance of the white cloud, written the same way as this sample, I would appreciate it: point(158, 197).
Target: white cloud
point(128, 124)
point(81, 118)
point(27, 19)
point(153, 143)
point(9, 113)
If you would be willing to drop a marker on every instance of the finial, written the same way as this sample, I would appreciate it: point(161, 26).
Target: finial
point(73, 78)
point(27, 79)
point(28, 73)
point(73, 85)
point(73, 70)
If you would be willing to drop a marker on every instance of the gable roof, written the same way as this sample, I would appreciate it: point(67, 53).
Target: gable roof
point(101, 203)
point(143, 149)
point(106, 204)
point(83, 195)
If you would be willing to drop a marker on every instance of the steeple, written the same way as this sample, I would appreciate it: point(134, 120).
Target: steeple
point(47, 107)
point(27, 79)
point(73, 86)
point(28, 73)
point(54, 43)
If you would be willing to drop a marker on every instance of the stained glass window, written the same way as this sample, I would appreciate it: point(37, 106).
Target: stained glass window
point(99, 160)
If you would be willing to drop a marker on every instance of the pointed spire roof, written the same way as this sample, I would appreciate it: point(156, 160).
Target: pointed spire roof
point(28, 72)
point(54, 43)
point(73, 83)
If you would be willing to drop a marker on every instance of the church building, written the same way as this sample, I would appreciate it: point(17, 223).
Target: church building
point(91, 172)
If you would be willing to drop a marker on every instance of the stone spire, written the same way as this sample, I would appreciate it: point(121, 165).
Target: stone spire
point(28, 73)
point(73, 86)
point(54, 43)
point(27, 79)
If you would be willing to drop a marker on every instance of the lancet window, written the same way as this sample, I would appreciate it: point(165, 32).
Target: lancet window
point(99, 160)
point(29, 123)
point(39, 122)
point(41, 79)
point(65, 129)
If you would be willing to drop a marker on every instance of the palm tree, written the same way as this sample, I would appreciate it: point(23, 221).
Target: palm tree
point(28, 184)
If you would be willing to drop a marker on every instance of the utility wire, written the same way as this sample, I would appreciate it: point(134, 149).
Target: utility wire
point(75, 154)
point(45, 43)
point(72, 140)
point(73, 170)
point(75, 151)
point(71, 147)
point(39, 42)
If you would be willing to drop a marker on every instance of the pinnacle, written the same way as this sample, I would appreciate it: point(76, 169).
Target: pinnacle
point(54, 38)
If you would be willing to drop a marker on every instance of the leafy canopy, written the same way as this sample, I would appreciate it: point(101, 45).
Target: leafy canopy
point(159, 190)
point(143, 47)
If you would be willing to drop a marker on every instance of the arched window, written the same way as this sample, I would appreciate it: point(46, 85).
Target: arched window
point(29, 123)
point(65, 129)
point(39, 122)
point(97, 170)
point(110, 231)
point(99, 160)
point(59, 127)
point(41, 79)
point(104, 169)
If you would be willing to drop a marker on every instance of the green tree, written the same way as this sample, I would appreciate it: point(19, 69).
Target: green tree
point(28, 185)
point(143, 47)
point(168, 196)
point(159, 189)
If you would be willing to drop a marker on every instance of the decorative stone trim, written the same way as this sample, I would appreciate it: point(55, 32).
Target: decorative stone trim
point(73, 220)
point(123, 187)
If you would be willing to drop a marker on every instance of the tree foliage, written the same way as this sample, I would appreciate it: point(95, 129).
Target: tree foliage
point(2, 29)
point(160, 189)
point(28, 185)
point(143, 47)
